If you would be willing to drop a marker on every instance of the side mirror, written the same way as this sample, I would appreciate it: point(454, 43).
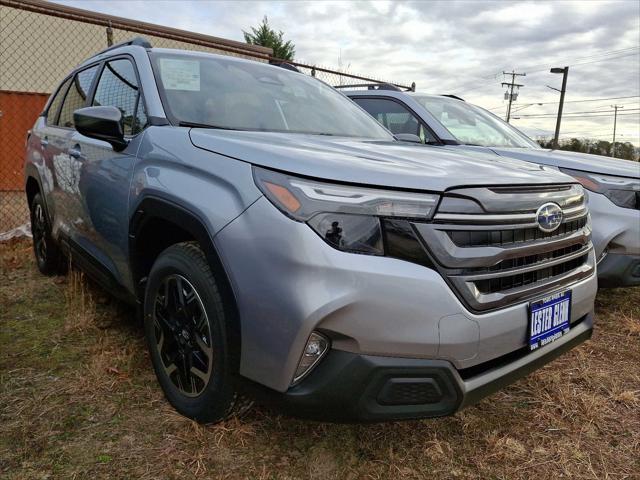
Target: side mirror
point(101, 123)
point(408, 137)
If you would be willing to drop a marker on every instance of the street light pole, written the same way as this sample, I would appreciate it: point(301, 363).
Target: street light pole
point(565, 73)
point(615, 121)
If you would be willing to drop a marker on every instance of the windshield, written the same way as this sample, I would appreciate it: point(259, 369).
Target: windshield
point(472, 125)
point(239, 95)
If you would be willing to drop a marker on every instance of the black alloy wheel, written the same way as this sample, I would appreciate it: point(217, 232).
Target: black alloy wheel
point(183, 335)
point(39, 231)
point(49, 258)
point(188, 327)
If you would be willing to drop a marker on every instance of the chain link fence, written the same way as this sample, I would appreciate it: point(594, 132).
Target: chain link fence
point(337, 78)
point(41, 42)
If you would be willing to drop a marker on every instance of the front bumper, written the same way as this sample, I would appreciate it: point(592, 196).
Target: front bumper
point(351, 387)
point(617, 270)
point(288, 282)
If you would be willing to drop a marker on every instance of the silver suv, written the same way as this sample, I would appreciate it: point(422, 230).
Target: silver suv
point(280, 242)
point(613, 184)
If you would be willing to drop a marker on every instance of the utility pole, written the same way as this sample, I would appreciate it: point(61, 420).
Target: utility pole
point(565, 73)
point(615, 121)
point(509, 94)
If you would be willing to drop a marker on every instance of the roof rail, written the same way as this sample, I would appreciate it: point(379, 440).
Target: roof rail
point(373, 86)
point(137, 41)
point(285, 65)
point(453, 96)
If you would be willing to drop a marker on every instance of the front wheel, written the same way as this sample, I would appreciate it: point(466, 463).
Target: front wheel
point(186, 328)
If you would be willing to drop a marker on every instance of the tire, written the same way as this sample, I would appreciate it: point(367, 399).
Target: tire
point(49, 257)
point(187, 332)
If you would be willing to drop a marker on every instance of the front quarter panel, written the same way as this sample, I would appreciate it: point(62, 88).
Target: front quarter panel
point(215, 188)
point(615, 228)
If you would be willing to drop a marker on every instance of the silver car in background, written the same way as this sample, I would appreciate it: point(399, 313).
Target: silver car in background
point(613, 184)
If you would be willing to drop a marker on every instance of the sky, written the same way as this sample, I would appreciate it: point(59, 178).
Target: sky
point(453, 47)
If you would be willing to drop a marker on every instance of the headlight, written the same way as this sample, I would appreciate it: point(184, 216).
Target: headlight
point(623, 191)
point(348, 218)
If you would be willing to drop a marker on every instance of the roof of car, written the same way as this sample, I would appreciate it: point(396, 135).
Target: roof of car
point(142, 43)
point(395, 93)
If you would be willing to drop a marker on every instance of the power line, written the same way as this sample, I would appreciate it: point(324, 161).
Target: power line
point(571, 101)
point(523, 117)
point(595, 133)
point(593, 58)
point(574, 113)
point(608, 55)
point(584, 111)
point(592, 61)
point(606, 131)
point(609, 134)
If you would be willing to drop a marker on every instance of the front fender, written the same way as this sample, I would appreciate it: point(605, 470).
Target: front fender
point(214, 187)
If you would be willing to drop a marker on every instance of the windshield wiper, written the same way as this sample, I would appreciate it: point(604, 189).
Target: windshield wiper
point(182, 123)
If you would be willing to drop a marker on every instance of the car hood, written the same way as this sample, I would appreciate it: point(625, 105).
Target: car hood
point(380, 163)
point(573, 160)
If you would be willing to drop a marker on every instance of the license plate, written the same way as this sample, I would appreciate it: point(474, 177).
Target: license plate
point(549, 319)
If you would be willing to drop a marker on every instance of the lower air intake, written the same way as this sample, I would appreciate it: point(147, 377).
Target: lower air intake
point(410, 391)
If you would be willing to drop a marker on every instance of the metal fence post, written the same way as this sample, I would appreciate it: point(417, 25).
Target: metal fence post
point(109, 35)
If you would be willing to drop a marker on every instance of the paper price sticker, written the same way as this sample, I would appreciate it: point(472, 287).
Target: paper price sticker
point(180, 74)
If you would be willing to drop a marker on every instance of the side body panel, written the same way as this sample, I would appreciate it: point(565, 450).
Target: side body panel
point(49, 153)
point(100, 202)
point(616, 229)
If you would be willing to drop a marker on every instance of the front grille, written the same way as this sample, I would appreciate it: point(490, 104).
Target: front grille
point(488, 246)
point(539, 258)
point(508, 282)
point(483, 238)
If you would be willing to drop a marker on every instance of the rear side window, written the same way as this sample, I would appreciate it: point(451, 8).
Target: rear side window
point(394, 116)
point(118, 87)
point(54, 106)
point(76, 96)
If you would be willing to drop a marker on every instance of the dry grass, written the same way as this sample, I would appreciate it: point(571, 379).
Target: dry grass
point(78, 399)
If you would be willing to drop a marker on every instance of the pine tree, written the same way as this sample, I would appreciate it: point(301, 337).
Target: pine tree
point(265, 36)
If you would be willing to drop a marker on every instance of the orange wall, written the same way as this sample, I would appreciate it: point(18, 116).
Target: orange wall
point(19, 112)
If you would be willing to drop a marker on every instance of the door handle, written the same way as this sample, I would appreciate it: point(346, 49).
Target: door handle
point(44, 141)
point(75, 152)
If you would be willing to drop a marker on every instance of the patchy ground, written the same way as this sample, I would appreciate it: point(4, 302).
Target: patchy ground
point(78, 399)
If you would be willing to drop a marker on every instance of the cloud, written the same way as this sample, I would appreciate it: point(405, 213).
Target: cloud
point(446, 46)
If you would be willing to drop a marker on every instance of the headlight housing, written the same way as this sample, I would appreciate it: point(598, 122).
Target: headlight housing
point(349, 218)
point(622, 191)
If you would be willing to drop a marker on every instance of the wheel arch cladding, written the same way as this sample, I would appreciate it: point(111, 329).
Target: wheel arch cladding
point(32, 188)
point(156, 225)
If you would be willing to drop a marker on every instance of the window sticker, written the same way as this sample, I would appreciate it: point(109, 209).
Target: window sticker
point(180, 74)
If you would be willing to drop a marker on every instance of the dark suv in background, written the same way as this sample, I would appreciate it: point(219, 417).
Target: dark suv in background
point(272, 232)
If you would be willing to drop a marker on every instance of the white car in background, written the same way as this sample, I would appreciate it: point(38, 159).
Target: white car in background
point(449, 121)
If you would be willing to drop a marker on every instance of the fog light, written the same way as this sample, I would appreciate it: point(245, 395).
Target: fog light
point(314, 350)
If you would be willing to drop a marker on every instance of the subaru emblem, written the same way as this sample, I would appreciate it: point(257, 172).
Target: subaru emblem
point(549, 217)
